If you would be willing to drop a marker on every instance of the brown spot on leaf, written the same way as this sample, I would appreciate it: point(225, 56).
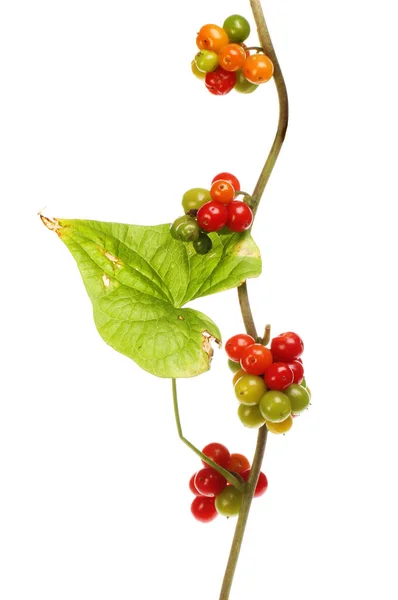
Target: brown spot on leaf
point(106, 280)
point(111, 257)
point(117, 263)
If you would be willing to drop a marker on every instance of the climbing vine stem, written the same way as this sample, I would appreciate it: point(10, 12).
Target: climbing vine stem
point(244, 513)
point(248, 489)
point(266, 43)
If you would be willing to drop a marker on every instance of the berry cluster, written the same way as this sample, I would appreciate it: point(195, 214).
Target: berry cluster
point(269, 383)
point(213, 494)
point(225, 63)
point(207, 211)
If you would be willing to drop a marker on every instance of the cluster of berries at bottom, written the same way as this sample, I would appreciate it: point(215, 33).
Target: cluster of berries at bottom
point(268, 382)
point(207, 211)
point(213, 494)
point(225, 63)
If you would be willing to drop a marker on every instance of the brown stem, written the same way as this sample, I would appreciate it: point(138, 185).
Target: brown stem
point(243, 295)
point(244, 513)
point(266, 43)
point(245, 309)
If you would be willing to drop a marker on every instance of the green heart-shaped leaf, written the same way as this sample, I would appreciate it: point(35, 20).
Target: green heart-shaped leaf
point(138, 278)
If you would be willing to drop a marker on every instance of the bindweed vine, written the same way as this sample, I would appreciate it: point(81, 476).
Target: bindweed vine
point(139, 279)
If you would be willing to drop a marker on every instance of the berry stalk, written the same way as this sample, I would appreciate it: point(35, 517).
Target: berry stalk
point(266, 43)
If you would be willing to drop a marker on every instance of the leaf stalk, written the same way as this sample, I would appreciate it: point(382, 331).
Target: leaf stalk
point(224, 472)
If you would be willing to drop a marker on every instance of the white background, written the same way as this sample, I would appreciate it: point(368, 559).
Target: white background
point(100, 118)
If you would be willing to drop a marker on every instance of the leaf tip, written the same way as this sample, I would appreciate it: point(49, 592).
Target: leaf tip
point(51, 224)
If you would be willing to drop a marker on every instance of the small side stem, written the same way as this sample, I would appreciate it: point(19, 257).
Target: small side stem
point(244, 514)
point(257, 48)
point(240, 193)
point(227, 474)
point(267, 334)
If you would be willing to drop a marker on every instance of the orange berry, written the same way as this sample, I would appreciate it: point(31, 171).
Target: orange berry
point(222, 191)
point(238, 463)
point(258, 68)
point(282, 427)
point(211, 37)
point(232, 57)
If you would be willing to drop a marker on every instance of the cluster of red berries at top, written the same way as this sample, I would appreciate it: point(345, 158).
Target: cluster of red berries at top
point(213, 494)
point(207, 211)
point(268, 382)
point(225, 63)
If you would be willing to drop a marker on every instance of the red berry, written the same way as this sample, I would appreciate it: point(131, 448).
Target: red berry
point(217, 452)
point(203, 509)
point(228, 177)
point(298, 370)
point(192, 486)
point(278, 376)
point(212, 216)
point(287, 346)
point(220, 82)
point(262, 483)
point(256, 359)
point(209, 482)
point(236, 344)
point(240, 216)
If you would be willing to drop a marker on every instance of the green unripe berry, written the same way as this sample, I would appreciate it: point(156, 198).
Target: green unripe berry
point(203, 244)
point(275, 406)
point(237, 28)
point(194, 198)
point(185, 229)
point(196, 72)
point(228, 501)
point(206, 61)
point(249, 389)
point(298, 396)
point(304, 385)
point(242, 85)
point(250, 416)
point(234, 366)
